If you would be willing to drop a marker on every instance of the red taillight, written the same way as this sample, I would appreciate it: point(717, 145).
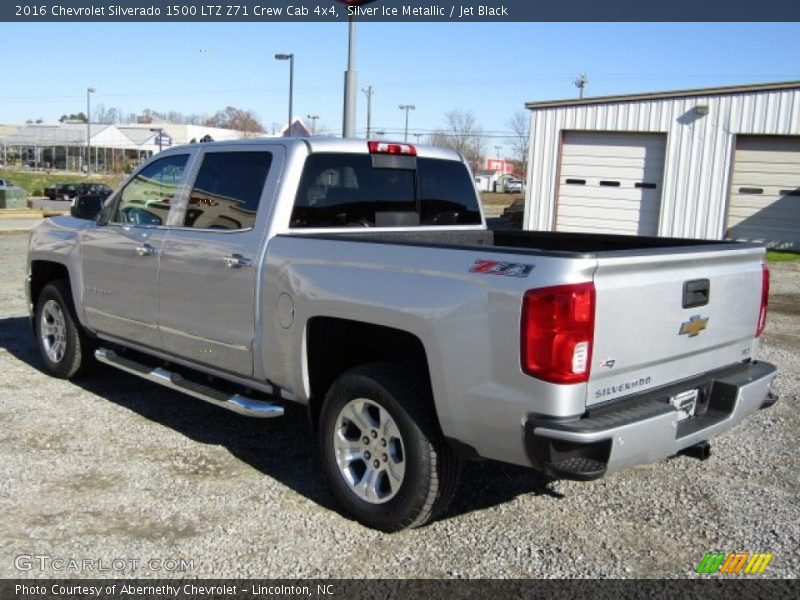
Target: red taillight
point(557, 332)
point(391, 148)
point(762, 313)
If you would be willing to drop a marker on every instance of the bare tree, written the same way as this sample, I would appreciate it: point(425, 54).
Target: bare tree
point(520, 128)
point(104, 115)
point(236, 118)
point(463, 134)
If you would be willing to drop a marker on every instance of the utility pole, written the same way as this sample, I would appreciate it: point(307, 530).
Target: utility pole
point(368, 91)
point(406, 107)
point(498, 150)
point(581, 82)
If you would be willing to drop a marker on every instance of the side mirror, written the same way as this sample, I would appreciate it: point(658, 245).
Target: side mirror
point(87, 207)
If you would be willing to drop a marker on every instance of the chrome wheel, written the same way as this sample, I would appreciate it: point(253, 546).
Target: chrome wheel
point(369, 451)
point(53, 331)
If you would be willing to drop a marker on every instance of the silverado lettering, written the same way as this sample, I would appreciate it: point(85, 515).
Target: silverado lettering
point(622, 387)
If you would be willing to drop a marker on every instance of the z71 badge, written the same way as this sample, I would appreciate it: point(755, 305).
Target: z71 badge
point(496, 267)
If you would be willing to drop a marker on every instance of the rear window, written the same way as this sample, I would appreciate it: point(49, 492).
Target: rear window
point(353, 190)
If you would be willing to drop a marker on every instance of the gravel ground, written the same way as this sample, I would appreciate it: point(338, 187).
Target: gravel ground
point(115, 468)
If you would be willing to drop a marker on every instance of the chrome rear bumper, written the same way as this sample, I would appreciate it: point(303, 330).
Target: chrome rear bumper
point(646, 428)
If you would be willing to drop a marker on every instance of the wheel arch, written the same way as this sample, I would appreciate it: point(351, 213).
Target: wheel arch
point(42, 273)
point(336, 345)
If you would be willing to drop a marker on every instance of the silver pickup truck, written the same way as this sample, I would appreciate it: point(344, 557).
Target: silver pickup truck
point(359, 280)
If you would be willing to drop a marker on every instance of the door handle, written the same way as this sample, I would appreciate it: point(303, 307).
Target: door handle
point(236, 261)
point(145, 250)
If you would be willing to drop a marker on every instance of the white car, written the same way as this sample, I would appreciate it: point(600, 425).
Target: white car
point(513, 186)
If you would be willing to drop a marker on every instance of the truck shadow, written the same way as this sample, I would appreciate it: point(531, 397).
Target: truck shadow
point(282, 448)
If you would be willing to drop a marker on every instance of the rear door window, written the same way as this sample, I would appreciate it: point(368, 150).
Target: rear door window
point(227, 190)
point(352, 190)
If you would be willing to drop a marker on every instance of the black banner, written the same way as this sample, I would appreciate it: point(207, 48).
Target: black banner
point(398, 10)
point(390, 589)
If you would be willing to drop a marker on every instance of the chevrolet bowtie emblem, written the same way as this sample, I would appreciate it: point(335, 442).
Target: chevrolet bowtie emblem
point(693, 326)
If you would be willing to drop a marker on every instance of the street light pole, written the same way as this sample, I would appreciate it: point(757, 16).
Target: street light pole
point(350, 83)
point(290, 58)
point(350, 75)
point(407, 107)
point(89, 91)
point(313, 119)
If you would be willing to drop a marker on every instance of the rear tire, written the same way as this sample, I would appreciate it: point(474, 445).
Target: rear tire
point(64, 347)
point(383, 454)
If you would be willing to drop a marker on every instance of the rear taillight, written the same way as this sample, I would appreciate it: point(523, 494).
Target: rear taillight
point(391, 148)
point(762, 313)
point(557, 332)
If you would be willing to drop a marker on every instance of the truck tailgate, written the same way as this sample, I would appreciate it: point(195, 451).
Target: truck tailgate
point(662, 318)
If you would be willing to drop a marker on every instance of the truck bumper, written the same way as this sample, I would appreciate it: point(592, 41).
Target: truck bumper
point(646, 428)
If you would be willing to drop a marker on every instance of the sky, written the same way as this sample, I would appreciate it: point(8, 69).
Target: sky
point(491, 69)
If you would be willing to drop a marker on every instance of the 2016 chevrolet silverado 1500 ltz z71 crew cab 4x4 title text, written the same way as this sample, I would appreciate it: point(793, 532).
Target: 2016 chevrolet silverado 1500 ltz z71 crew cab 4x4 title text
point(359, 280)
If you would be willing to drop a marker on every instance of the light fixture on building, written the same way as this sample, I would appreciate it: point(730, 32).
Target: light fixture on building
point(701, 110)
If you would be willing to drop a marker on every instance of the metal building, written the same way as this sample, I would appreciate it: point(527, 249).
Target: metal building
point(711, 163)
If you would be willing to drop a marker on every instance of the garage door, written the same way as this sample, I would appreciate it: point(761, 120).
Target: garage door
point(765, 191)
point(610, 183)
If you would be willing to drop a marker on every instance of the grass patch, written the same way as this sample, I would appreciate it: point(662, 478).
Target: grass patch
point(776, 256)
point(38, 180)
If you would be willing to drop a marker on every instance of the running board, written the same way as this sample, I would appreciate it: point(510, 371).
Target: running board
point(237, 403)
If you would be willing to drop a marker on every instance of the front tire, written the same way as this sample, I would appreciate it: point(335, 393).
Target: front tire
point(383, 454)
point(64, 348)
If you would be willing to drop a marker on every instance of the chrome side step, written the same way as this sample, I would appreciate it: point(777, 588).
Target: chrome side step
point(237, 403)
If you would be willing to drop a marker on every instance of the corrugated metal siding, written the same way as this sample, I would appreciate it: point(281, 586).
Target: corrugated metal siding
point(699, 151)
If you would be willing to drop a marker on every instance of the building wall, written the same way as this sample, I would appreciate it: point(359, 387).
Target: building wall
point(699, 150)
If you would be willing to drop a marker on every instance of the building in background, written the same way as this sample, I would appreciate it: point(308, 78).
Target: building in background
point(113, 148)
point(716, 163)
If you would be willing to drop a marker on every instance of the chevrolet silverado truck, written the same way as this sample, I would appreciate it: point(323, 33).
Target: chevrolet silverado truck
point(359, 280)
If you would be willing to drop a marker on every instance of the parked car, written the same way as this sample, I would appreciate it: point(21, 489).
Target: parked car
point(321, 272)
point(61, 191)
point(514, 212)
point(5, 184)
point(512, 186)
point(93, 189)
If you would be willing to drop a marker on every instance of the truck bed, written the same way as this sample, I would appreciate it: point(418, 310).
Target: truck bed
point(574, 245)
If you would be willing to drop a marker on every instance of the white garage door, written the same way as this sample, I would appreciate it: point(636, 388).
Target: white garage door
point(610, 183)
point(765, 191)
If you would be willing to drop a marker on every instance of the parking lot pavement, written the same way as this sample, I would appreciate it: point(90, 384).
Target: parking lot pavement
point(113, 467)
point(16, 225)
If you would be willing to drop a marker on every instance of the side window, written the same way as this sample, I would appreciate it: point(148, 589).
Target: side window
point(146, 199)
point(227, 190)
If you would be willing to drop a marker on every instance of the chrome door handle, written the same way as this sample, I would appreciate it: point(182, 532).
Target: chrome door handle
point(236, 261)
point(145, 250)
